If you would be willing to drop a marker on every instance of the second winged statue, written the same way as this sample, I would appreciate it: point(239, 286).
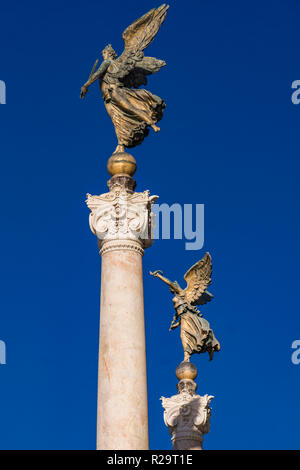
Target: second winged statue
point(131, 109)
point(196, 334)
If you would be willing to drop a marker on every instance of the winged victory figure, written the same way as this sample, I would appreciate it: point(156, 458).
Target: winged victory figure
point(196, 334)
point(131, 109)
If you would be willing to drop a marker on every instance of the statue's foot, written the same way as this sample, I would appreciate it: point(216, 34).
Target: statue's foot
point(119, 149)
point(155, 128)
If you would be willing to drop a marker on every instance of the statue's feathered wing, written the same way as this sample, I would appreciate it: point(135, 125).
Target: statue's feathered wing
point(134, 66)
point(198, 278)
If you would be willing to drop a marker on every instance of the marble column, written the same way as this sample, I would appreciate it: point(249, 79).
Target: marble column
point(121, 220)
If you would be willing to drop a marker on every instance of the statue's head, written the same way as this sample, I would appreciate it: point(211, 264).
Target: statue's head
point(109, 53)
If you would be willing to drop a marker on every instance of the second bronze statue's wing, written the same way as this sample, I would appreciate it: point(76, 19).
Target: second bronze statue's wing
point(198, 278)
point(133, 65)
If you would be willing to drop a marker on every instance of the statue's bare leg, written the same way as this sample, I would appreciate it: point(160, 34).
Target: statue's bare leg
point(186, 357)
point(120, 148)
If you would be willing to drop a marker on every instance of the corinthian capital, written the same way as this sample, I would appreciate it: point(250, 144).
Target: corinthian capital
point(122, 215)
point(187, 417)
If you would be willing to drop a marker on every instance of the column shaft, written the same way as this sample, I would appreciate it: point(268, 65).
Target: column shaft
point(122, 390)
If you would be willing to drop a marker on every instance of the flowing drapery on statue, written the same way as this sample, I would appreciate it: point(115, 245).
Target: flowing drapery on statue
point(196, 334)
point(132, 110)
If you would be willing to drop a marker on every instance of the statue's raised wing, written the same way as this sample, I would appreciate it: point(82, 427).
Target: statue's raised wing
point(198, 278)
point(142, 32)
point(133, 65)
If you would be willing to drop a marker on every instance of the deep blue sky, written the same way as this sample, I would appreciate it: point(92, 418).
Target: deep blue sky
point(229, 139)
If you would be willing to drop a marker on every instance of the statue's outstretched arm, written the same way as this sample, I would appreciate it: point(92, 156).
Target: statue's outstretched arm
point(173, 286)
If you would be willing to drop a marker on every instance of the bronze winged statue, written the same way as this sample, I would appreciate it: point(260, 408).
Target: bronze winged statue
point(132, 110)
point(196, 334)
